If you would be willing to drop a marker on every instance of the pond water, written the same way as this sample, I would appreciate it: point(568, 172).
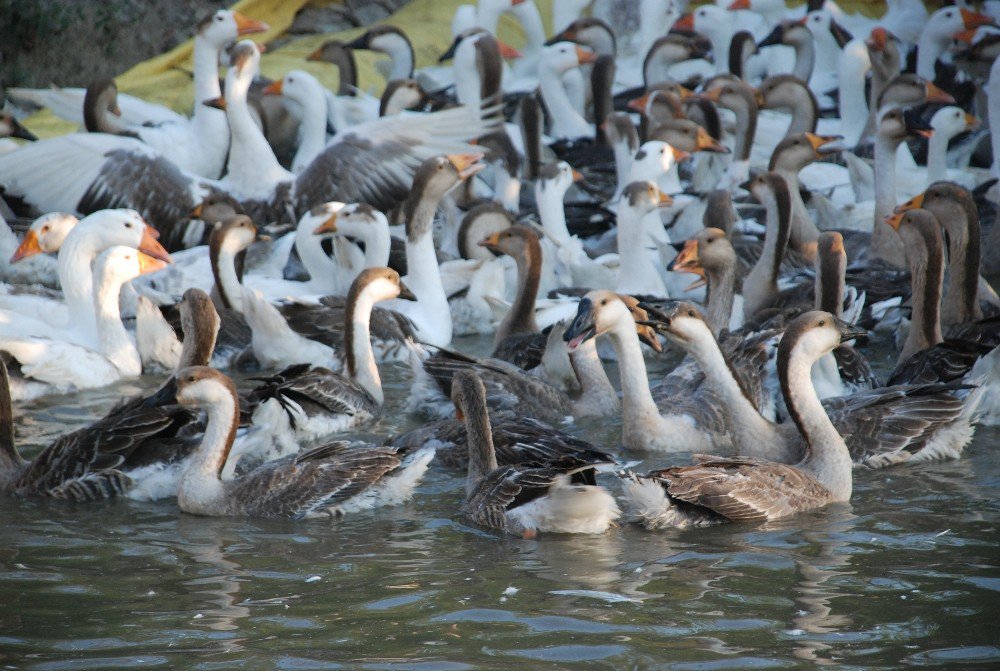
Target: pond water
point(905, 576)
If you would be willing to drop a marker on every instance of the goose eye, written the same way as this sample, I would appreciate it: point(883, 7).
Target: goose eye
point(822, 322)
point(45, 229)
point(690, 313)
point(604, 302)
point(218, 18)
point(128, 225)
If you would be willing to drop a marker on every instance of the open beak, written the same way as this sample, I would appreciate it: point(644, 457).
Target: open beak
point(467, 165)
point(149, 246)
point(934, 94)
point(491, 243)
point(246, 26)
point(647, 334)
point(28, 247)
point(507, 51)
point(147, 264)
point(849, 331)
point(218, 103)
point(585, 56)
point(687, 262)
point(274, 88)
point(706, 142)
point(686, 23)
point(583, 328)
point(405, 293)
point(912, 204)
point(328, 226)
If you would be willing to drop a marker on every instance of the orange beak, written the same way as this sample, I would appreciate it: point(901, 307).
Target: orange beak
point(935, 95)
point(759, 97)
point(820, 141)
point(116, 110)
point(878, 40)
point(316, 55)
point(218, 103)
point(894, 220)
point(713, 95)
point(507, 51)
point(639, 104)
point(687, 260)
point(196, 212)
point(491, 242)
point(912, 204)
point(686, 22)
point(467, 165)
point(274, 88)
point(585, 56)
point(925, 133)
point(803, 21)
point(739, 4)
point(706, 142)
point(147, 264)
point(680, 154)
point(149, 245)
point(973, 20)
point(328, 226)
point(965, 35)
point(245, 25)
point(665, 200)
point(577, 175)
point(686, 93)
point(970, 121)
point(28, 247)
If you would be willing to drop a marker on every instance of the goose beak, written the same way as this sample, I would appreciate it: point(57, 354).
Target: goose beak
point(687, 260)
point(916, 125)
point(971, 121)
point(147, 264)
point(149, 246)
point(449, 53)
point(965, 35)
point(821, 144)
point(639, 104)
point(894, 220)
point(878, 40)
point(685, 23)
point(713, 95)
point(246, 26)
point(746, 185)
point(196, 212)
point(218, 103)
point(774, 37)
point(577, 175)
point(738, 4)
point(274, 88)
point(491, 243)
point(647, 334)
point(934, 94)
point(360, 42)
point(706, 142)
point(686, 94)
point(328, 226)
point(849, 331)
point(759, 97)
point(405, 293)
point(583, 328)
point(19, 131)
point(467, 165)
point(665, 199)
point(507, 51)
point(165, 395)
point(680, 154)
point(972, 20)
point(912, 204)
point(28, 247)
point(585, 56)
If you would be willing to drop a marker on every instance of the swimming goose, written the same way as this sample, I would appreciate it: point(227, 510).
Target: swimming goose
point(881, 427)
point(742, 489)
point(57, 365)
point(330, 480)
point(197, 144)
point(524, 500)
point(73, 318)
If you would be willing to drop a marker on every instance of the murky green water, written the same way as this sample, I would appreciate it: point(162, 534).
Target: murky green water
point(907, 575)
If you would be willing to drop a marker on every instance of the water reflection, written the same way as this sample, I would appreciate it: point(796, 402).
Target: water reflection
point(219, 578)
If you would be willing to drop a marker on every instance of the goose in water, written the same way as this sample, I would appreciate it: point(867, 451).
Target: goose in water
point(197, 144)
point(740, 489)
point(330, 480)
point(524, 500)
point(54, 365)
point(881, 426)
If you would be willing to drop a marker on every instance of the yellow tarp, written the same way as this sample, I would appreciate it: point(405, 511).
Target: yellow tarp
point(166, 79)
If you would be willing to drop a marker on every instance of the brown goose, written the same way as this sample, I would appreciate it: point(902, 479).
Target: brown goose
point(760, 287)
point(524, 500)
point(330, 480)
point(518, 338)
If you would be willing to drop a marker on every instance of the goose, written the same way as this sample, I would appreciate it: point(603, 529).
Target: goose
point(741, 489)
point(83, 172)
point(946, 123)
point(524, 500)
point(519, 328)
point(56, 365)
point(716, 24)
point(567, 123)
point(79, 244)
point(760, 287)
point(330, 480)
point(45, 235)
point(637, 273)
point(686, 427)
point(938, 32)
point(197, 144)
point(741, 99)
point(882, 427)
point(349, 106)
point(392, 42)
point(310, 105)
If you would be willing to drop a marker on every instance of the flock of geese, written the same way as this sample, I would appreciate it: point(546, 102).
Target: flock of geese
point(824, 179)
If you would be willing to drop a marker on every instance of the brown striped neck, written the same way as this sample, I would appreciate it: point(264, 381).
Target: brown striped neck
point(490, 67)
point(831, 267)
point(469, 396)
point(923, 246)
point(10, 458)
point(528, 255)
point(200, 323)
point(956, 211)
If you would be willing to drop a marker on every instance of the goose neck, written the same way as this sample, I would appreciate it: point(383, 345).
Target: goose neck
point(482, 454)
point(805, 59)
point(222, 255)
point(551, 212)
point(746, 127)
point(638, 406)
point(361, 365)
point(424, 277)
point(926, 276)
point(595, 387)
point(116, 345)
point(937, 157)
point(312, 130)
point(201, 490)
point(961, 299)
point(805, 113)
point(199, 341)
point(521, 318)
point(252, 164)
point(852, 67)
point(377, 246)
point(829, 287)
point(11, 461)
point(721, 296)
point(929, 49)
point(885, 243)
point(206, 76)
point(566, 121)
point(76, 278)
point(310, 249)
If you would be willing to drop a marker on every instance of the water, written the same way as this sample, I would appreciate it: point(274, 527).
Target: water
point(904, 576)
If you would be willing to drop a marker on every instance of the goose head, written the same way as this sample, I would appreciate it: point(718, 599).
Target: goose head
point(481, 222)
point(709, 20)
point(100, 100)
point(354, 220)
point(120, 227)
point(434, 179)
point(920, 232)
point(820, 21)
point(119, 264)
point(378, 284)
point(298, 86)
point(467, 392)
point(518, 242)
point(11, 127)
point(949, 121)
point(234, 234)
point(223, 26)
point(708, 251)
point(812, 335)
point(910, 89)
point(670, 49)
point(897, 125)
point(790, 33)
point(321, 219)
point(947, 200)
point(216, 207)
point(655, 158)
point(943, 24)
point(401, 94)
point(602, 311)
point(883, 51)
point(205, 387)
point(784, 92)
point(563, 56)
point(764, 186)
point(682, 323)
point(199, 319)
point(731, 93)
point(686, 135)
point(797, 151)
point(337, 53)
point(45, 235)
point(555, 179)
point(662, 101)
point(592, 33)
point(644, 196)
point(387, 40)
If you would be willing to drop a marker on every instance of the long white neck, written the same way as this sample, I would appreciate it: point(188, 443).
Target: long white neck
point(827, 458)
point(116, 345)
point(534, 34)
point(638, 407)
point(468, 88)
point(210, 124)
point(201, 490)
point(77, 280)
point(885, 243)
point(377, 245)
point(637, 272)
point(312, 127)
point(365, 370)
point(623, 164)
point(596, 389)
point(805, 59)
point(937, 157)
point(852, 66)
point(252, 170)
point(424, 280)
point(993, 113)
point(320, 267)
point(566, 121)
point(551, 212)
point(401, 55)
point(929, 49)
point(227, 278)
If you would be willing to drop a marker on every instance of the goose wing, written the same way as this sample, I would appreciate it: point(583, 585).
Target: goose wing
point(504, 489)
point(524, 350)
point(74, 468)
point(316, 390)
point(944, 362)
point(325, 322)
point(743, 489)
point(308, 483)
point(374, 162)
